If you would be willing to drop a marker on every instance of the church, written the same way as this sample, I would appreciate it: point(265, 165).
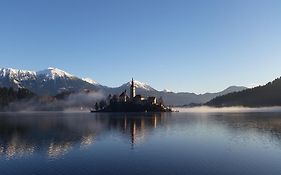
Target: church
point(139, 99)
point(133, 102)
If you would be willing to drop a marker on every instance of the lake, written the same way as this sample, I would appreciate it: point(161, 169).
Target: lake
point(120, 144)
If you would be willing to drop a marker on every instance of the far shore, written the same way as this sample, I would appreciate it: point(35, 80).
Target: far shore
point(234, 109)
point(198, 109)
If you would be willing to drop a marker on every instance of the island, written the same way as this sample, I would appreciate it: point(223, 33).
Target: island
point(134, 103)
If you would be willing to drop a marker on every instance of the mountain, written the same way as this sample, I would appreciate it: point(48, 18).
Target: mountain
point(141, 88)
point(185, 98)
point(53, 81)
point(89, 80)
point(267, 95)
point(46, 82)
point(54, 73)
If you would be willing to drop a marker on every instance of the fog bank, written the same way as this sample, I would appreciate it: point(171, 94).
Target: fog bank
point(82, 101)
point(207, 109)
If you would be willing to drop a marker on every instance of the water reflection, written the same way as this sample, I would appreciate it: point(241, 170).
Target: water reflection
point(55, 134)
point(264, 125)
point(134, 126)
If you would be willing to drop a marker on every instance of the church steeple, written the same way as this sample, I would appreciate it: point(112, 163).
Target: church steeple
point(133, 89)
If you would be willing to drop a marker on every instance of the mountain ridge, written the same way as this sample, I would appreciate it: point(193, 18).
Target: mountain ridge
point(53, 81)
point(259, 96)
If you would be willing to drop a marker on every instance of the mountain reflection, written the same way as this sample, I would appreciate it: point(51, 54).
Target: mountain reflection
point(58, 133)
point(55, 134)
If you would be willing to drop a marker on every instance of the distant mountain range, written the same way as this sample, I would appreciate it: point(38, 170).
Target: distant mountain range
point(53, 81)
point(267, 95)
point(172, 98)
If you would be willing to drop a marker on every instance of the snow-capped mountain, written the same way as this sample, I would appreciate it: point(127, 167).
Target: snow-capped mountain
point(21, 75)
point(139, 86)
point(17, 74)
point(53, 73)
point(12, 77)
point(52, 81)
point(89, 80)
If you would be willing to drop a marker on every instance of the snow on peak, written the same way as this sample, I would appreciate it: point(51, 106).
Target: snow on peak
point(140, 85)
point(89, 80)
point(54, 73)
point(167, 90)
point(17, 74)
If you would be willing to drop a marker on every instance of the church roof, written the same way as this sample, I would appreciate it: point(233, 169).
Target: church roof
point(123, 94)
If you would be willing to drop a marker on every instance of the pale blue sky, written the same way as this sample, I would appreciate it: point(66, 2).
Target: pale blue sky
point(195, 46)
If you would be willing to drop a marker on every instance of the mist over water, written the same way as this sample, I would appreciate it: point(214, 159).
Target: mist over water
point(207, 109)
point(82, 101)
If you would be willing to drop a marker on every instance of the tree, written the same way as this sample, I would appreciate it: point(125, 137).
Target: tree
point(8, 95)
point(96, 106)
point(102, 104)
point(114, 99)
point(24, 93)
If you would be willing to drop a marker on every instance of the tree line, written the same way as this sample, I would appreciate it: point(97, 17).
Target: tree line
point(8, 95)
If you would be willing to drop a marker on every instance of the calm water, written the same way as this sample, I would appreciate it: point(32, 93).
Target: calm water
point(178, 143)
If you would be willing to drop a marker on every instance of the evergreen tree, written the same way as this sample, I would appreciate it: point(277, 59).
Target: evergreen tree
point(8, 95)
point(97, 106)
point(102, 104)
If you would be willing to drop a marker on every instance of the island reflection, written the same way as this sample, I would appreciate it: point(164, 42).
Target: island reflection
point(55, 134)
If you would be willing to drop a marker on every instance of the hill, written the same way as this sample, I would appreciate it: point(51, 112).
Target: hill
point(267, 95)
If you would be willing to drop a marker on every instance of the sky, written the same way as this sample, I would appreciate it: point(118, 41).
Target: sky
point(181, 45)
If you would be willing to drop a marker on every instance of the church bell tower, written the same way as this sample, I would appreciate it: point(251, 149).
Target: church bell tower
point(133, 89)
